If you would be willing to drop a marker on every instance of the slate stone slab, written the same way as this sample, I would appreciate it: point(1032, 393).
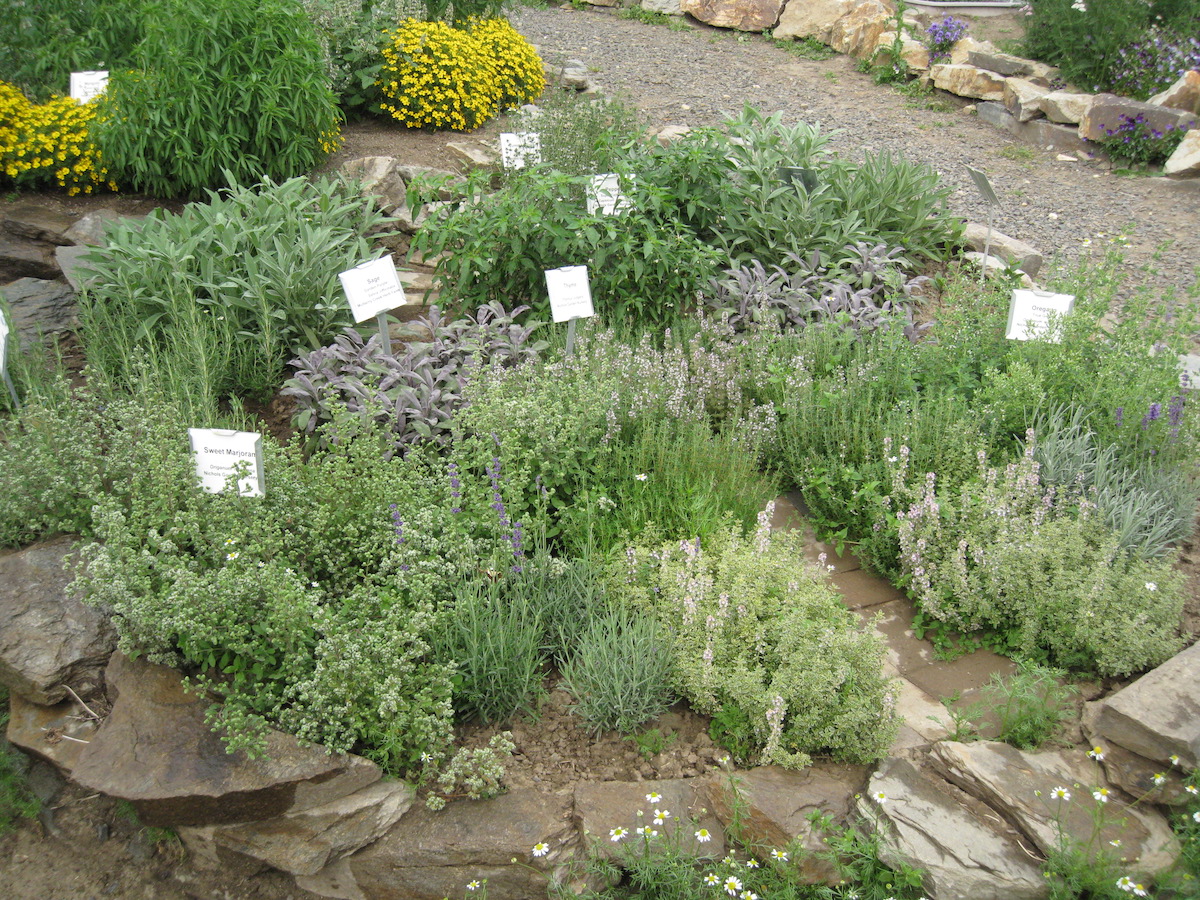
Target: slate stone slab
point(39, 306)
point(20, 258)
point(48, 638)
point(156, 751)
point(33, 221)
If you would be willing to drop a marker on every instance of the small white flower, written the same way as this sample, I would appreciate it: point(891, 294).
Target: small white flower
point(1079, 6)
point(780, 855)
point(880, 797)
point(617, 833)
point(472, 885)
point(541, 848)
point(752, 864)
point(1101, 795)
point(732, 886)
point(313, 584)
point(1196, 817)
point(1096, 753)
point(703, 836)
point(1060, 793)
point(1116, 842)
point(661, 816)
point(1159, 779)
point(1125, 883)
point(642, 477)
point(1174, 757)
point(748, 895)
point(233, 555)
point(1151, 586)
point(712, 878)
point(1191, 789)
point(653, 797)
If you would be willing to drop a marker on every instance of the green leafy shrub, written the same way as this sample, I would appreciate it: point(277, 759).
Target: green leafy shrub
point(1006, 552)
point(642, 271)
point(222, 92)
point(49, 144)
point(582, 134)
point(220, 296)
point(442, 76)
point(309, 608)
point(43, 42)
point(754, 628)
point(620, 671)
point(1084, 38)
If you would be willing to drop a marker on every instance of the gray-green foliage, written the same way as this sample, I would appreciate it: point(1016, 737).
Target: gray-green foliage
point(582, 134)
point(492, 640)
point(1149, 506)
point(220, 296)
point(620, 671)
point(218, 86)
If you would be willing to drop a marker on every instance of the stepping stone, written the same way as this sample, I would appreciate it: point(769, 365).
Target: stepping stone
point(862, 590)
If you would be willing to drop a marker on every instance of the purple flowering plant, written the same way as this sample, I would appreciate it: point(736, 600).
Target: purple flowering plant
point(1137, 140)
point(941, 36)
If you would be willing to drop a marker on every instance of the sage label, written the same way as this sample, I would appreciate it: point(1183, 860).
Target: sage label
point(372, 288)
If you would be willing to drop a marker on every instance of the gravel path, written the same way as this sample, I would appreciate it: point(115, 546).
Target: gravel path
point(699, 76)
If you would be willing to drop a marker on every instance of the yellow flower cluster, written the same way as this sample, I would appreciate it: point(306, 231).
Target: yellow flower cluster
point(444, 77)
point(47, 144)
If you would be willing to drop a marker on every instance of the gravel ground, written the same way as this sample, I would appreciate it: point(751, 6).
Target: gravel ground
point(699, 76)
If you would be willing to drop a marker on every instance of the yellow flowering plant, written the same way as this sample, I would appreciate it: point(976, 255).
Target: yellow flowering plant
point(48, 144)
point(436, 75)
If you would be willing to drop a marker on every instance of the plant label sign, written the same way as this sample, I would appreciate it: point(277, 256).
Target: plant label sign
point(218, 453)
point(984, 186)
point(372, 288)
point(604, 196)
point(1189, 370)
point(1029, 314)
point(3, 342)
point(87, 86)
point(802, 175)
point(570, 293)
point(519, 149)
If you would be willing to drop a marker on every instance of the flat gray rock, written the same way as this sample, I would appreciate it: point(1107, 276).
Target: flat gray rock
point(1023, 788)
point(48, 638)
point(40, 306)
point(1157, 716)
point(602, 806)
point(32, 220)
point(966, 853)
point(156, 751)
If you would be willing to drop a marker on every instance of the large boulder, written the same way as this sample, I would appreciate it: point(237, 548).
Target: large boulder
point(968, 81)
point(1158, 716)
point(666, 7)
point(1109, 112)
point(306, 841)
point(744, 15)
point(775, 805)
point(1023, 97)
point(813, 19)
point(156, 751)
point(431, 855)
point(1066, 107)
point(1184, 94)
point(964, 850)
point(1186, 158)
point(39, 305)
point(858, 33)
point(48, 638)
point(1024, 789)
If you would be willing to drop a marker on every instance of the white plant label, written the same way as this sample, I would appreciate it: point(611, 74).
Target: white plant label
point(604, 195)
point(570, 293)
point(218, 453)
point(1029, 314)
point(1189, 370)
point(519, 149)
point(372, 288)
point(87, 86)
point(984, 186)
point(3, 341)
